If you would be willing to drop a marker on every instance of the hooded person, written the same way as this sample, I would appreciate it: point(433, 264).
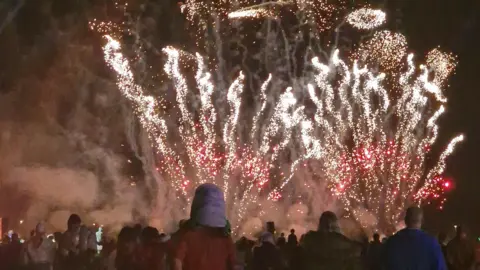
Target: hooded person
point(40, 250)
point(206, 243)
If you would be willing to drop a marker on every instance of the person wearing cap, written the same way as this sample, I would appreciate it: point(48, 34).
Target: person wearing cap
point(206, 243)
point(412, 248)
point(40, 250)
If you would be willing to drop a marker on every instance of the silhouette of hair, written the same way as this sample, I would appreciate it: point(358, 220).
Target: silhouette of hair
point(328, 222)
point(73, 219)
point(376, 237)
point(414, 216)
point(127, 234)
point(292, 231)
point(149, 234)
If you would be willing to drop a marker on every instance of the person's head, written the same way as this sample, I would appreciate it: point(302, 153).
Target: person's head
point(127, 240)
point(138, 228)
point(282, 234)
point(376, 237)
point(292, 231)
point(73, 223)
point(460, 232)
point(149, 235)
point(414, 217)
point(208, 206)
point(40, 229)
point(328, 222)
point(267, 237)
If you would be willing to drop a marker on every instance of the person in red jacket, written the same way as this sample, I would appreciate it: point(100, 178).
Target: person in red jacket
point(206, 243)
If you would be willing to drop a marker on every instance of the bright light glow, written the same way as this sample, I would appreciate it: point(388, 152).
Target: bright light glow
point(366, 18)
point(360, 128)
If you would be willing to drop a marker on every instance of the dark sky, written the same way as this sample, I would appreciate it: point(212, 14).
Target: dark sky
point(455, 26)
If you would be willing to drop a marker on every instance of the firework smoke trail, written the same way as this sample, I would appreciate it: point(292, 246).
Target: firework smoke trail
point(370, 147)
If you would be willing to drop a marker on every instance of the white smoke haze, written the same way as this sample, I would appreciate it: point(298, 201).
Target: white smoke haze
point(60, 144)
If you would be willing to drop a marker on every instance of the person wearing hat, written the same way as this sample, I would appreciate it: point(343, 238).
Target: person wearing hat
point(206, 243)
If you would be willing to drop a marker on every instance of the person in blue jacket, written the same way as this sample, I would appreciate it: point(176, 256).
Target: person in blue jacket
point(412, 248)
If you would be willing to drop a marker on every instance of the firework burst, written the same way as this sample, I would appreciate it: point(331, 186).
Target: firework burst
point(366, 18)
point(336, 124)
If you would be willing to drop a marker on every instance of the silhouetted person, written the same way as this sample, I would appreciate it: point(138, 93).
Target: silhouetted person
point(281, 241)
point(242, 250)
point(442, 240)
point(460, 252)
point(12, 253)
point(69, 250)
point(411, 248)
point(267, 256)
point(124, 257)
point(327, 248)
point(292, 239)
point(151, 253)
point(374, 253)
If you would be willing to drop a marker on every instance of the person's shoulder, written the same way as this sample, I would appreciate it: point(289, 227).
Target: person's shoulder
point(427, 237)
point(311, 234)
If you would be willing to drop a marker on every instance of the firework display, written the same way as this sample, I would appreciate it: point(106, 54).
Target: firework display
point(386, 49)
point(442, 64)
point(334, 130)
point(366, 18)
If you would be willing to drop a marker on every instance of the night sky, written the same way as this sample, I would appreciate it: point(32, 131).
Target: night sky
point(455, 26)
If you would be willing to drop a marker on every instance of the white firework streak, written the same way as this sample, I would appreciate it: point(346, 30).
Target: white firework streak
point(263, 100)
point(144, 106)
point(368, 143)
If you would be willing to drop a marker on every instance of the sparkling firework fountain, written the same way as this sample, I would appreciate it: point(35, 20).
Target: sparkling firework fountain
point(319, 128)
